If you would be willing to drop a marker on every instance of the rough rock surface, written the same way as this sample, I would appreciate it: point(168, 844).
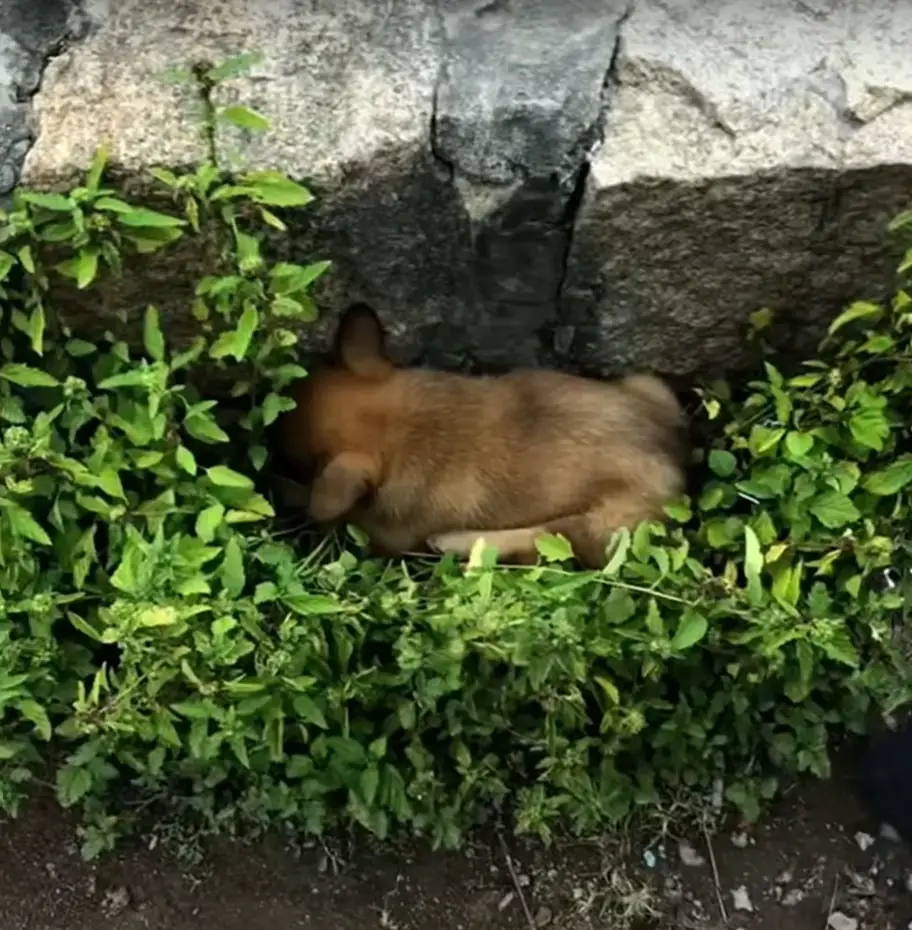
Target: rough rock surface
point(595, 183)
point(31, 31)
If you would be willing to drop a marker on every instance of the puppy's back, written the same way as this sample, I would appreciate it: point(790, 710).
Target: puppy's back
point(530, 445)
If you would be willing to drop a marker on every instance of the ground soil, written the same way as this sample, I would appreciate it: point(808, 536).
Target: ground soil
point(816, 862)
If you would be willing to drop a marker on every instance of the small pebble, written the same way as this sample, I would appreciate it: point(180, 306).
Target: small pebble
point(793, 897)
point(689, 856)
point(889, 833)
point(649, 859)
point(116, 901)
point(864, 840)
point(740, 840)
point(861, 884)
point(543, 917)
point(839, 921)
point(741, 900)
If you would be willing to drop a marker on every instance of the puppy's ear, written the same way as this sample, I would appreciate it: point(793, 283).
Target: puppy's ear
point(361, 344)
point(336, 490)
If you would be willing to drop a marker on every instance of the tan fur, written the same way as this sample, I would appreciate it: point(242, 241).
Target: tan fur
point(430, 460)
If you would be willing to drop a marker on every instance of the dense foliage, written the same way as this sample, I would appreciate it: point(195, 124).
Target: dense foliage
point(163, 645)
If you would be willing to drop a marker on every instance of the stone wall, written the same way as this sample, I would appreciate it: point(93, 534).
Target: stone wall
point(593, 183)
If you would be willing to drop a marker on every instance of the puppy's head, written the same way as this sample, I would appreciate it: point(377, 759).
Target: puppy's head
point(330, 441)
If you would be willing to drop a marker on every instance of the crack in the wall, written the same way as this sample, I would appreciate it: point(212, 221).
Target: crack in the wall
point(436, 152)
point(522, 215)
point(578, 193)
point(205, 87)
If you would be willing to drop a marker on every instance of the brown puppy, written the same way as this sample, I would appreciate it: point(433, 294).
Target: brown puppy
point(429, 460)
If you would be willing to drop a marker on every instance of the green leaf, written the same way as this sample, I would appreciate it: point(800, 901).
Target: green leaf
point(722, 463)
point(654, 622)
point(691, 630)
point(276, 190)
point(149, 219)
point(712, 497)
point(860, 310)
point(153, 338)
point(245, 118)
point(35, 329)
point(113, 205)
point(26, 376)
point(55, 202)
point(761, 319)
point(273, 406)
point(798, 444)
point(233, 67)
point(96, 169)
point(753, 557)
point(134, 378)
point(753, 565)
point(192, 710)
point(680, 511)
point(109, 481)
point(869, 427)
point(232, 569)
point(236, 342)
point(208, 522)
point(26, 259)
point(73, 784)
point(9, 750)
point(891, 480)
point(834, 510)
point(312, 605)
point(369, 782)
point(763, 439)
point(554, 547)
point(204, 428)
point(224, 477)
point(246, 327)
point(621, 541)
point(25, 525)
point(185, 459)
point(786, 586)
point(305, 707)
point(37, 715)
point(86, 268)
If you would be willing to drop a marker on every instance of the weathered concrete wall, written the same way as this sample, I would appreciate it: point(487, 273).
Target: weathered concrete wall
point(612, 183)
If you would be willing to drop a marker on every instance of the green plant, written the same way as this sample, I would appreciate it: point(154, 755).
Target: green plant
point(166, 648)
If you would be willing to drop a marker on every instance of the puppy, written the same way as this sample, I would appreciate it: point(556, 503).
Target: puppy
point(424, 460)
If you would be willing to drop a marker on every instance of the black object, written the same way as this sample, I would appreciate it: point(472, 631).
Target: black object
point(885, 779)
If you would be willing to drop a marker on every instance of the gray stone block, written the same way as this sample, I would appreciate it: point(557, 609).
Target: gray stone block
point(31, 31)
point(582, 183)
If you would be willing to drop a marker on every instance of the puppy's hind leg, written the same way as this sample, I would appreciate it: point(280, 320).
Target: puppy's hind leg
point(518, 546)
point(591, 532)
point(588, 533)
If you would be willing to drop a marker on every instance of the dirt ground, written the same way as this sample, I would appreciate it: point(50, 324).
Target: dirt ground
point(817, 862)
